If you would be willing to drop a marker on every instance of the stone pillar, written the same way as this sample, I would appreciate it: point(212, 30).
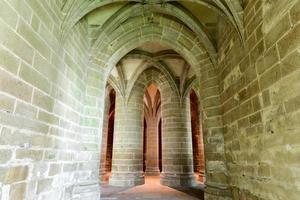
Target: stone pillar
point(127, 162)
point(177, 153)
point(152, 151)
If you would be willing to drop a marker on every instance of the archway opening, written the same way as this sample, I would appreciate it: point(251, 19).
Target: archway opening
point(160, 145)
point(108, 135)
point(152, 65)
point(197, 137)
point(152, 138)
point(110, 131)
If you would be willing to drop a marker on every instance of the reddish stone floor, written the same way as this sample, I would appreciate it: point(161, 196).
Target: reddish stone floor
point(152, 189)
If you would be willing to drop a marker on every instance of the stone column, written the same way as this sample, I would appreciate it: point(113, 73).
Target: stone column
point(127, 162)
point(177, 153)
point(152, 154)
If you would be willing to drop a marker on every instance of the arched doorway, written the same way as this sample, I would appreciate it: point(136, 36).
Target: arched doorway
point(197, 137)
point(108, 134)
point(152, 139)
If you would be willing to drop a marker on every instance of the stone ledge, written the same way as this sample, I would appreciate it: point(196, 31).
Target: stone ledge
point(86, 190)
point(177, 180)
point(121, 179)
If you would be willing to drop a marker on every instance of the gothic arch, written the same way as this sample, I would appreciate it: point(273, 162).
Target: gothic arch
point(168, 32)
point(231, 10)
point(111, 49)
point(159, 66)
point(177, 11)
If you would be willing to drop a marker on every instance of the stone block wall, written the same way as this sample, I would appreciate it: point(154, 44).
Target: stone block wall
point(44, 153)
point(260, 97)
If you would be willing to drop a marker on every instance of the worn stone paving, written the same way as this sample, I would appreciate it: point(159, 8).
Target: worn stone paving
point(152, 189)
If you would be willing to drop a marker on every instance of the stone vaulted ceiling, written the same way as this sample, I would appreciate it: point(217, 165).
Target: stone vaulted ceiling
point(199, 17)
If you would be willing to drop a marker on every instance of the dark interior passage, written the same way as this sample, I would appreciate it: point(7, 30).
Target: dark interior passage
point(110, 131)
point(152, 190)
point(197, 137)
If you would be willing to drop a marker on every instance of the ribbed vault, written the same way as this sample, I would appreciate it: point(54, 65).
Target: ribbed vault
point(198, 16)
point(178, 72)
point(77, 9)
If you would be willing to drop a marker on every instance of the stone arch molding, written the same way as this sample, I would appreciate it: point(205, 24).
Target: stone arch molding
point(156, 60)
point(230, 10)
point(176, 11)
point(151, 75)
point(187, 46)
point(152, 65)
point(111, 49)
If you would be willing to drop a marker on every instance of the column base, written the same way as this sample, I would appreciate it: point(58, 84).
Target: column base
point(127, 179)
point(202, 177)
point(87, 190)
point(177, 180)
point(217, 192)
point(103, 176)
point(152, 172)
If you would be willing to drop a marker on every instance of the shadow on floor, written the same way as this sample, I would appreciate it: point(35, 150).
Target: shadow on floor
point(196, 191)
point(151, 190)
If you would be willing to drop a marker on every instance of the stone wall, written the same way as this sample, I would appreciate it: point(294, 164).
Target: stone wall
point(45, 151)
point(260, 97)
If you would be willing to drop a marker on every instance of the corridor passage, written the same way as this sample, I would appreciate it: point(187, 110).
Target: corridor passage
point(149, 97)
point(152, 189)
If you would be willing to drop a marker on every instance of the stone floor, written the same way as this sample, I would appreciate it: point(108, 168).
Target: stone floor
point(151, 190)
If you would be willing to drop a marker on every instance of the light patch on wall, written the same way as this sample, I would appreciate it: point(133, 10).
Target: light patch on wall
point(201, 12)
point(100, 15)
point(130, 66)
point(5, 192)
point(114, 72)
point(273, 11)
point(232, 77)
point(176, 66)
point(153, 47)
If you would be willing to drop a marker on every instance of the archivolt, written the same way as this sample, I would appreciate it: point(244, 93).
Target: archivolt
point(176, 11)
point(151, 75)
point(139, 54)
point(155, 59)
point(160, 66)
point(113, 48)
point(230, 9)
